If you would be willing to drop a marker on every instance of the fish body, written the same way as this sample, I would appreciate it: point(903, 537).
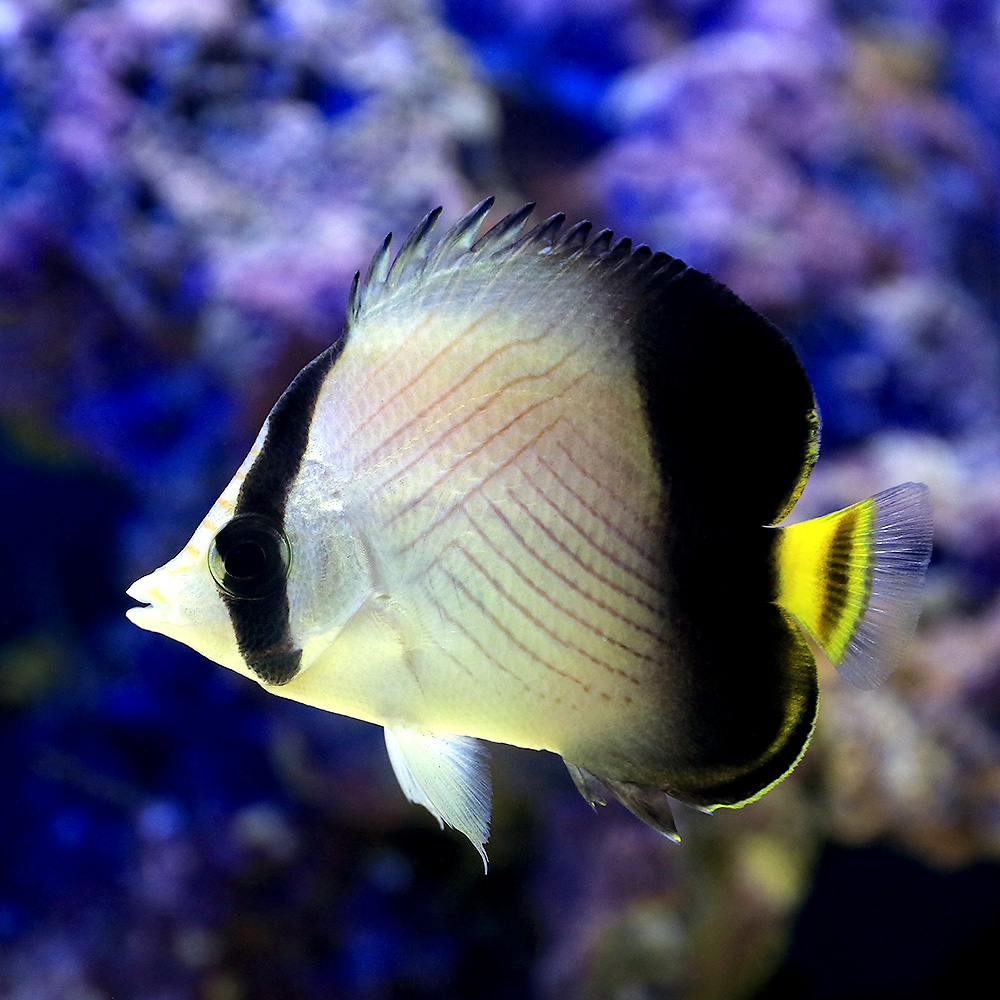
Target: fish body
point(528, 497)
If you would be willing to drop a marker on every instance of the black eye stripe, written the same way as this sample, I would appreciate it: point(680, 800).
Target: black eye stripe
point(261, 625)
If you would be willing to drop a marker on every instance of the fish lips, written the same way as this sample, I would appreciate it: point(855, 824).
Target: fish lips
point(157, 610)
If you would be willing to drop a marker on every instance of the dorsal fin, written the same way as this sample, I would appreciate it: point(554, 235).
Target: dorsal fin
point(420, 257)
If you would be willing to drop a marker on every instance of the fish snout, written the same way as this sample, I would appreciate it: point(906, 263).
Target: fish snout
point(157, 607)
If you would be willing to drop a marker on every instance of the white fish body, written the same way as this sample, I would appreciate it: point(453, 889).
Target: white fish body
point(469, 513)
point(475, 489)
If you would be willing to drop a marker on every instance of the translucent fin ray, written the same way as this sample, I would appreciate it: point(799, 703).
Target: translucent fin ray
point(902, 551)
point(651, 805)
point(852, 579)
point(447, 775)
point(353, 299)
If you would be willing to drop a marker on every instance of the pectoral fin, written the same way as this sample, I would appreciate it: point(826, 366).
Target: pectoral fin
point(448, 775)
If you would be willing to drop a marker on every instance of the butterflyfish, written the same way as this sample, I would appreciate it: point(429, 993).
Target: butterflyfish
point(531, 496)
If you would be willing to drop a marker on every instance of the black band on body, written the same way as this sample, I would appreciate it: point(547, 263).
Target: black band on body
point(732, 419)
point(262, 627)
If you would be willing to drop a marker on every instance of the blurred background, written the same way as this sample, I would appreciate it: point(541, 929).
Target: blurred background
point(186, 189)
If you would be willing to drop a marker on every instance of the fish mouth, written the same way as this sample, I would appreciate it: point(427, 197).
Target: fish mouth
point(151, 614)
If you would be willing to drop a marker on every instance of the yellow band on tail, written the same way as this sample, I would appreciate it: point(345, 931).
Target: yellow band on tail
point(852, 579)
point(824, 574)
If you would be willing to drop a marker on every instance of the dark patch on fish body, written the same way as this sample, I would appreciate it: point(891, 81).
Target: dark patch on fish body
point(730, 407)
point(262, 627)
point(732, 420)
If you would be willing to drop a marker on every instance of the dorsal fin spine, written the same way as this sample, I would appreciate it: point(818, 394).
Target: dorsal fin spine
point(353, 302)
point(600, 244)
point(613, 257)
point(378, 270)
point(413, 253)
point(544, 234)
point(503, 234)
point(379, 266)
point(460, 238)
point(504, 241)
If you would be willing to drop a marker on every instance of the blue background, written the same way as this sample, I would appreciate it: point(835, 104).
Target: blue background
point(185, 192)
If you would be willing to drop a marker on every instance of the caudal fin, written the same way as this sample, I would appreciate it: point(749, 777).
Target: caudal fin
point(853, 579)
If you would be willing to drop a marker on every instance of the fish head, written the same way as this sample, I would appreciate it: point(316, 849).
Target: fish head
point(264, 595)
point(182, 601)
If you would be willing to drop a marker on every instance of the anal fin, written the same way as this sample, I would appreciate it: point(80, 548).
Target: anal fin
point(590, 787)
point(651, 805)
point(448, 775)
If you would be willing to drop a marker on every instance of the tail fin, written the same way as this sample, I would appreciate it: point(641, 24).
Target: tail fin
point(853, 578)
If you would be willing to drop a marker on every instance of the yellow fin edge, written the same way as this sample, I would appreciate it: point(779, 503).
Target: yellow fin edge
point(852, 579)
point(800, 720)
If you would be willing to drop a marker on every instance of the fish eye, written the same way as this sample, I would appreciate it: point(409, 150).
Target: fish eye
point(249, 557)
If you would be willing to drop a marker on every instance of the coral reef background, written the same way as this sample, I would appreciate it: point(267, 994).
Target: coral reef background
point(186, 189)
